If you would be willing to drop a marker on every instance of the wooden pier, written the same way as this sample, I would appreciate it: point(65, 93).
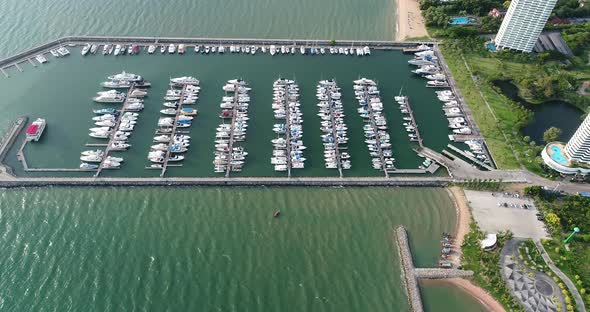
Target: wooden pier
point(232, 129)
point(4, 72)
point(32, 63)
point(377, 140)
point(173, 133)
point(413, 120)
point(109, 147)
point(18, 67)
point(20, 155)
point(334, 132)
point(473, 159)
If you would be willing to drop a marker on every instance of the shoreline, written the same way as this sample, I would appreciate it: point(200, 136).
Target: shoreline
point(485, 299)
point(409, 20)
point(462, 228)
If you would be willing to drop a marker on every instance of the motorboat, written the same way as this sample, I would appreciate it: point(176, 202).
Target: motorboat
point(111, 96)
point(55, 53)
point(87, 166)
point(151, 49)
point(93, 49)
point(63, 51)
point(85, 49)
point(123, 76)
point(117, 50)
point(116, 84)
point(41, 59)
point(181, 48)
point(102, 111)
point(186, 80)
point(162, 49)
point(171, 48)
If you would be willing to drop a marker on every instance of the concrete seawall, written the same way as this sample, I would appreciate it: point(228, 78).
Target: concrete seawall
point(23, 55)
point(7, 181)
point(434, 273)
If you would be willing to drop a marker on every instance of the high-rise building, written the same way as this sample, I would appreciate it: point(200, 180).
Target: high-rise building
point(523, 24)
point(578, 147)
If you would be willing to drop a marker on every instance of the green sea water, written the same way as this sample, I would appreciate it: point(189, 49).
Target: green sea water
point(214, 249)
point(67, 106)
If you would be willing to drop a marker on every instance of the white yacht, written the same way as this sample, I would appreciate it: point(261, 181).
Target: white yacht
point(151, 49)
point(171, 48)
point(85, 49)
point(186, 80)
point(117, 50)
point(123, 76)
point(273, 50)
point(41, 59)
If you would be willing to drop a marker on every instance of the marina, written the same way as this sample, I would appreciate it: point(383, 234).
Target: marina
point(376, 136)
point(288, 146)
point(172, 143)
point(330, 132)
point(335, 137)
point(229, 156)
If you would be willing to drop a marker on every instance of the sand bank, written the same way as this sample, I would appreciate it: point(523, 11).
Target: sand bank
point(410, 23)
point(463, 220)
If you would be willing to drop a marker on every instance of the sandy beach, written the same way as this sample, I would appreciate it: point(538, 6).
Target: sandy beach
point(463, 220)
point(410, 23)
point(479, 294)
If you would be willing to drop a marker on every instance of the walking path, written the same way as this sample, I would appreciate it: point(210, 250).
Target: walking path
point(570, 285)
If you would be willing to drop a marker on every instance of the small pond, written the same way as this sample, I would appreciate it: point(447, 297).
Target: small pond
point(548, 114)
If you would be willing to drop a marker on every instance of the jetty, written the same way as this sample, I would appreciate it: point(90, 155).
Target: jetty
point(411, 274)
point(372, 117)
point(109, 147)
point(413, 120)
point(473, 159)
point(166, 164)
point(232, 127)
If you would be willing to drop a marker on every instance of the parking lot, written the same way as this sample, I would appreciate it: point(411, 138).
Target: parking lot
point(498, 211)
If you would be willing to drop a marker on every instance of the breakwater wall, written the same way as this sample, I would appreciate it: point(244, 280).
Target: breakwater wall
point(434, 273)
point(11, 182)
point(408, 275)
point(10, 135)
point(76, 40)
point(411, 274)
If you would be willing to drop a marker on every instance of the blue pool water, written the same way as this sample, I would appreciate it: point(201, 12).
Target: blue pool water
point(461, 20)
point(491, 46)
point(558, 155)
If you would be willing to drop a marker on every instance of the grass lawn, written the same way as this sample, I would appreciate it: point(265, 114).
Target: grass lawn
point(497, 130)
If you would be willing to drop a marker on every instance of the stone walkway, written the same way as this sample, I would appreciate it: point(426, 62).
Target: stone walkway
point(535, 290)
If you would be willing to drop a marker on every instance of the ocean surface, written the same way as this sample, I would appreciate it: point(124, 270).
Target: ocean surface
point(209, 249)
point(217, 249)
point(27, 23)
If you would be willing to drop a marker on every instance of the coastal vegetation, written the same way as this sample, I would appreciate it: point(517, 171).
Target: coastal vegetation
point(485, 266)
point(481, 185)
point(538, 78)
point(561, 214)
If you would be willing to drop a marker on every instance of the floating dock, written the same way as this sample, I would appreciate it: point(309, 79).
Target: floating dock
point(165, 165)
point(109, 147)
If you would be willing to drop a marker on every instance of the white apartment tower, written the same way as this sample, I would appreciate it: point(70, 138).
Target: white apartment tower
point(523, 24)
point(578, 147)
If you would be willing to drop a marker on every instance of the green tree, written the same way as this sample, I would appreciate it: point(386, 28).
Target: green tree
point(506, 4)
point(552, 134)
